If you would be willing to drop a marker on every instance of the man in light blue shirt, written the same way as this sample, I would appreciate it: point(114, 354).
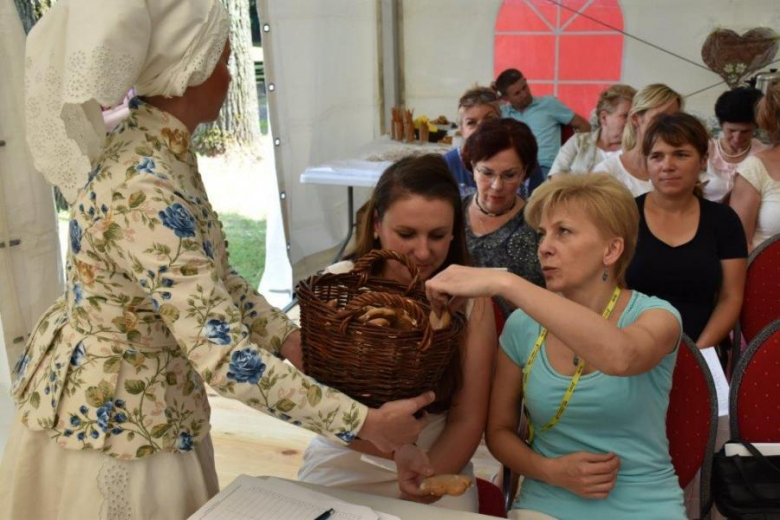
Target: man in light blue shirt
point(544, 115)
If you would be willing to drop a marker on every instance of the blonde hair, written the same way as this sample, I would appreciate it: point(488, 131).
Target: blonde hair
point(604, 199)
point(478, 96)
point(652, 96)
point(609, 98)
point(768, 113)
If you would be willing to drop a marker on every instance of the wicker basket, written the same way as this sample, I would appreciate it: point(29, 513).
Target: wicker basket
point(373, 364)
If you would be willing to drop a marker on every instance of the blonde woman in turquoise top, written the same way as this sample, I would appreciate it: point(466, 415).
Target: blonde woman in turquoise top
point(593, 360)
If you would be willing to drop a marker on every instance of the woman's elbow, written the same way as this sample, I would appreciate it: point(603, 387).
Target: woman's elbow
point(620, 364)
point(494, 437)
point(617, 368)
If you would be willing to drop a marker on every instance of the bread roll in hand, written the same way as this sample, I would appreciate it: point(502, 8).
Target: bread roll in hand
point(441, 322)
point(440, 485)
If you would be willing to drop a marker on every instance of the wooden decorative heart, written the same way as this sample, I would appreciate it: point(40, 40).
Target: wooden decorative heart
point(736, 57)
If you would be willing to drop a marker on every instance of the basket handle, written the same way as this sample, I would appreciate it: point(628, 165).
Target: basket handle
point(366, 263)
point(354, 309)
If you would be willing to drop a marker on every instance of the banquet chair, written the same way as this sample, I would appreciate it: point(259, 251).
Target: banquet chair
point(761, 304)
point(754, 398)
point(692, 420)
point(491, 500)
point(567, 131)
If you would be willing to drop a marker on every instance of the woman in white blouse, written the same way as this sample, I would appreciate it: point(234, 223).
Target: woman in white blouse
point(756, 195)
point(629, 167)
point(735, 112)
point(585, 150)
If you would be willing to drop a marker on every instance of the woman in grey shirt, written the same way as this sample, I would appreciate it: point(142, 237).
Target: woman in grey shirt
point(500, 155)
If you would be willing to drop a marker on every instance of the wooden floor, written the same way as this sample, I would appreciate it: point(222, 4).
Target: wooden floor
point(247, 441)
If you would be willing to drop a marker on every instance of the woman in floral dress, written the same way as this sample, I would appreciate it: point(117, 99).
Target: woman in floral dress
point(113, 417)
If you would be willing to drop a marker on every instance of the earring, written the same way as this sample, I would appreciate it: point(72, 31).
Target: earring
point(376, 235)
point(604, 275)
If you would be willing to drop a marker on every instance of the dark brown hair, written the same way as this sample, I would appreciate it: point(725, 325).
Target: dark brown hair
point(505, 80)
point(426, 176)
point(737, 105)
point(676, 129)
point(496, 135)
point(429, 177)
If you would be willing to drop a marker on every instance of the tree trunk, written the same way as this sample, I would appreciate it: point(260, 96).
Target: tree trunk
point(30, 11)
point(238, 124)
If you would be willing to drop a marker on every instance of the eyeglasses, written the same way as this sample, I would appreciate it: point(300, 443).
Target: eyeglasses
point(508, 176)
point(485, 96)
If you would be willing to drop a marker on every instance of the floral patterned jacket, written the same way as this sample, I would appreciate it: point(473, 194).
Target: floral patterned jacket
point(153, 309)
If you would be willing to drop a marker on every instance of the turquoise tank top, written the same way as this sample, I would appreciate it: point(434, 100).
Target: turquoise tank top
point(624, 415)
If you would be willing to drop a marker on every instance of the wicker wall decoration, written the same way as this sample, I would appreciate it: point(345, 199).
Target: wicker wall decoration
point(736, 57)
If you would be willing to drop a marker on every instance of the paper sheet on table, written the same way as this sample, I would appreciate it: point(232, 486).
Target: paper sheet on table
point(768, 449)
point(721, 385)
point(249, 498)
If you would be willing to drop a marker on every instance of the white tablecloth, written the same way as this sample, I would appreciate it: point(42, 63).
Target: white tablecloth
point(368, 164)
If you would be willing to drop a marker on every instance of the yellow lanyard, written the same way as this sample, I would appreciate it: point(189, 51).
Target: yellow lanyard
point(574, 379)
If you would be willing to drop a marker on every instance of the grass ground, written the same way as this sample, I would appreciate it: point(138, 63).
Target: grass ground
point(246, 244)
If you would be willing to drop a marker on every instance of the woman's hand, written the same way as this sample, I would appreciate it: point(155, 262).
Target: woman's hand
point(413, 466)
point(588, 475)
point(393, 424)
point(451, 287)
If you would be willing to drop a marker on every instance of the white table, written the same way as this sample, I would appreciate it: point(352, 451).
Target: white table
point(364, 171)
point(403, 509)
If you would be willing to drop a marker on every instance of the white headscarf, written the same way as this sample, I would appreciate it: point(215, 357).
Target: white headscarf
point(84, 54)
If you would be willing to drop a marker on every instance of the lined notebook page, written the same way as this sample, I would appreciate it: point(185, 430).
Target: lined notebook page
point(249, 498)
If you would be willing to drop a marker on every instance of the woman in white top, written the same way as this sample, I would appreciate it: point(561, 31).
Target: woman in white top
point(416, 210)
point(756, 195)
point(630, 167)
point(735, 112)
point(585, 150)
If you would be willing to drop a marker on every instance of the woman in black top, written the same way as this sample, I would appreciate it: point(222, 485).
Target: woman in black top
point(691, 251)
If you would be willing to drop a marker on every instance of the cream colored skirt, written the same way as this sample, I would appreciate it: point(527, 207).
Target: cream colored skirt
point(40, 480)
point(333, 465)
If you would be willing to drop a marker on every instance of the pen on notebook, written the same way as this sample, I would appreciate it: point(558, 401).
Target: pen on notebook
point(327, 514)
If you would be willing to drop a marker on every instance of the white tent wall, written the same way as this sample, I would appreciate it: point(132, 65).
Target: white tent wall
point(30, 272)
point(321, 58)
point(448, 45)
point(324, 61)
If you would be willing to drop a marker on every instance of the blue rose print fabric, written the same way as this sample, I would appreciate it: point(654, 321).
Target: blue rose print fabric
point(153, 311)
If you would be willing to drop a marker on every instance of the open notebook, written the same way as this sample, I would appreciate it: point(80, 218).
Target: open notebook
point(252, 498)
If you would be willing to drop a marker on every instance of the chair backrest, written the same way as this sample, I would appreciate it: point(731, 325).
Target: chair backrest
point(754, 398)
point(566, 132)
point(761, 305)
point(491, 500)
point(691, 420)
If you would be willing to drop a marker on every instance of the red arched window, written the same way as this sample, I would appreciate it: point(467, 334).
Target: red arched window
point(560, 52)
